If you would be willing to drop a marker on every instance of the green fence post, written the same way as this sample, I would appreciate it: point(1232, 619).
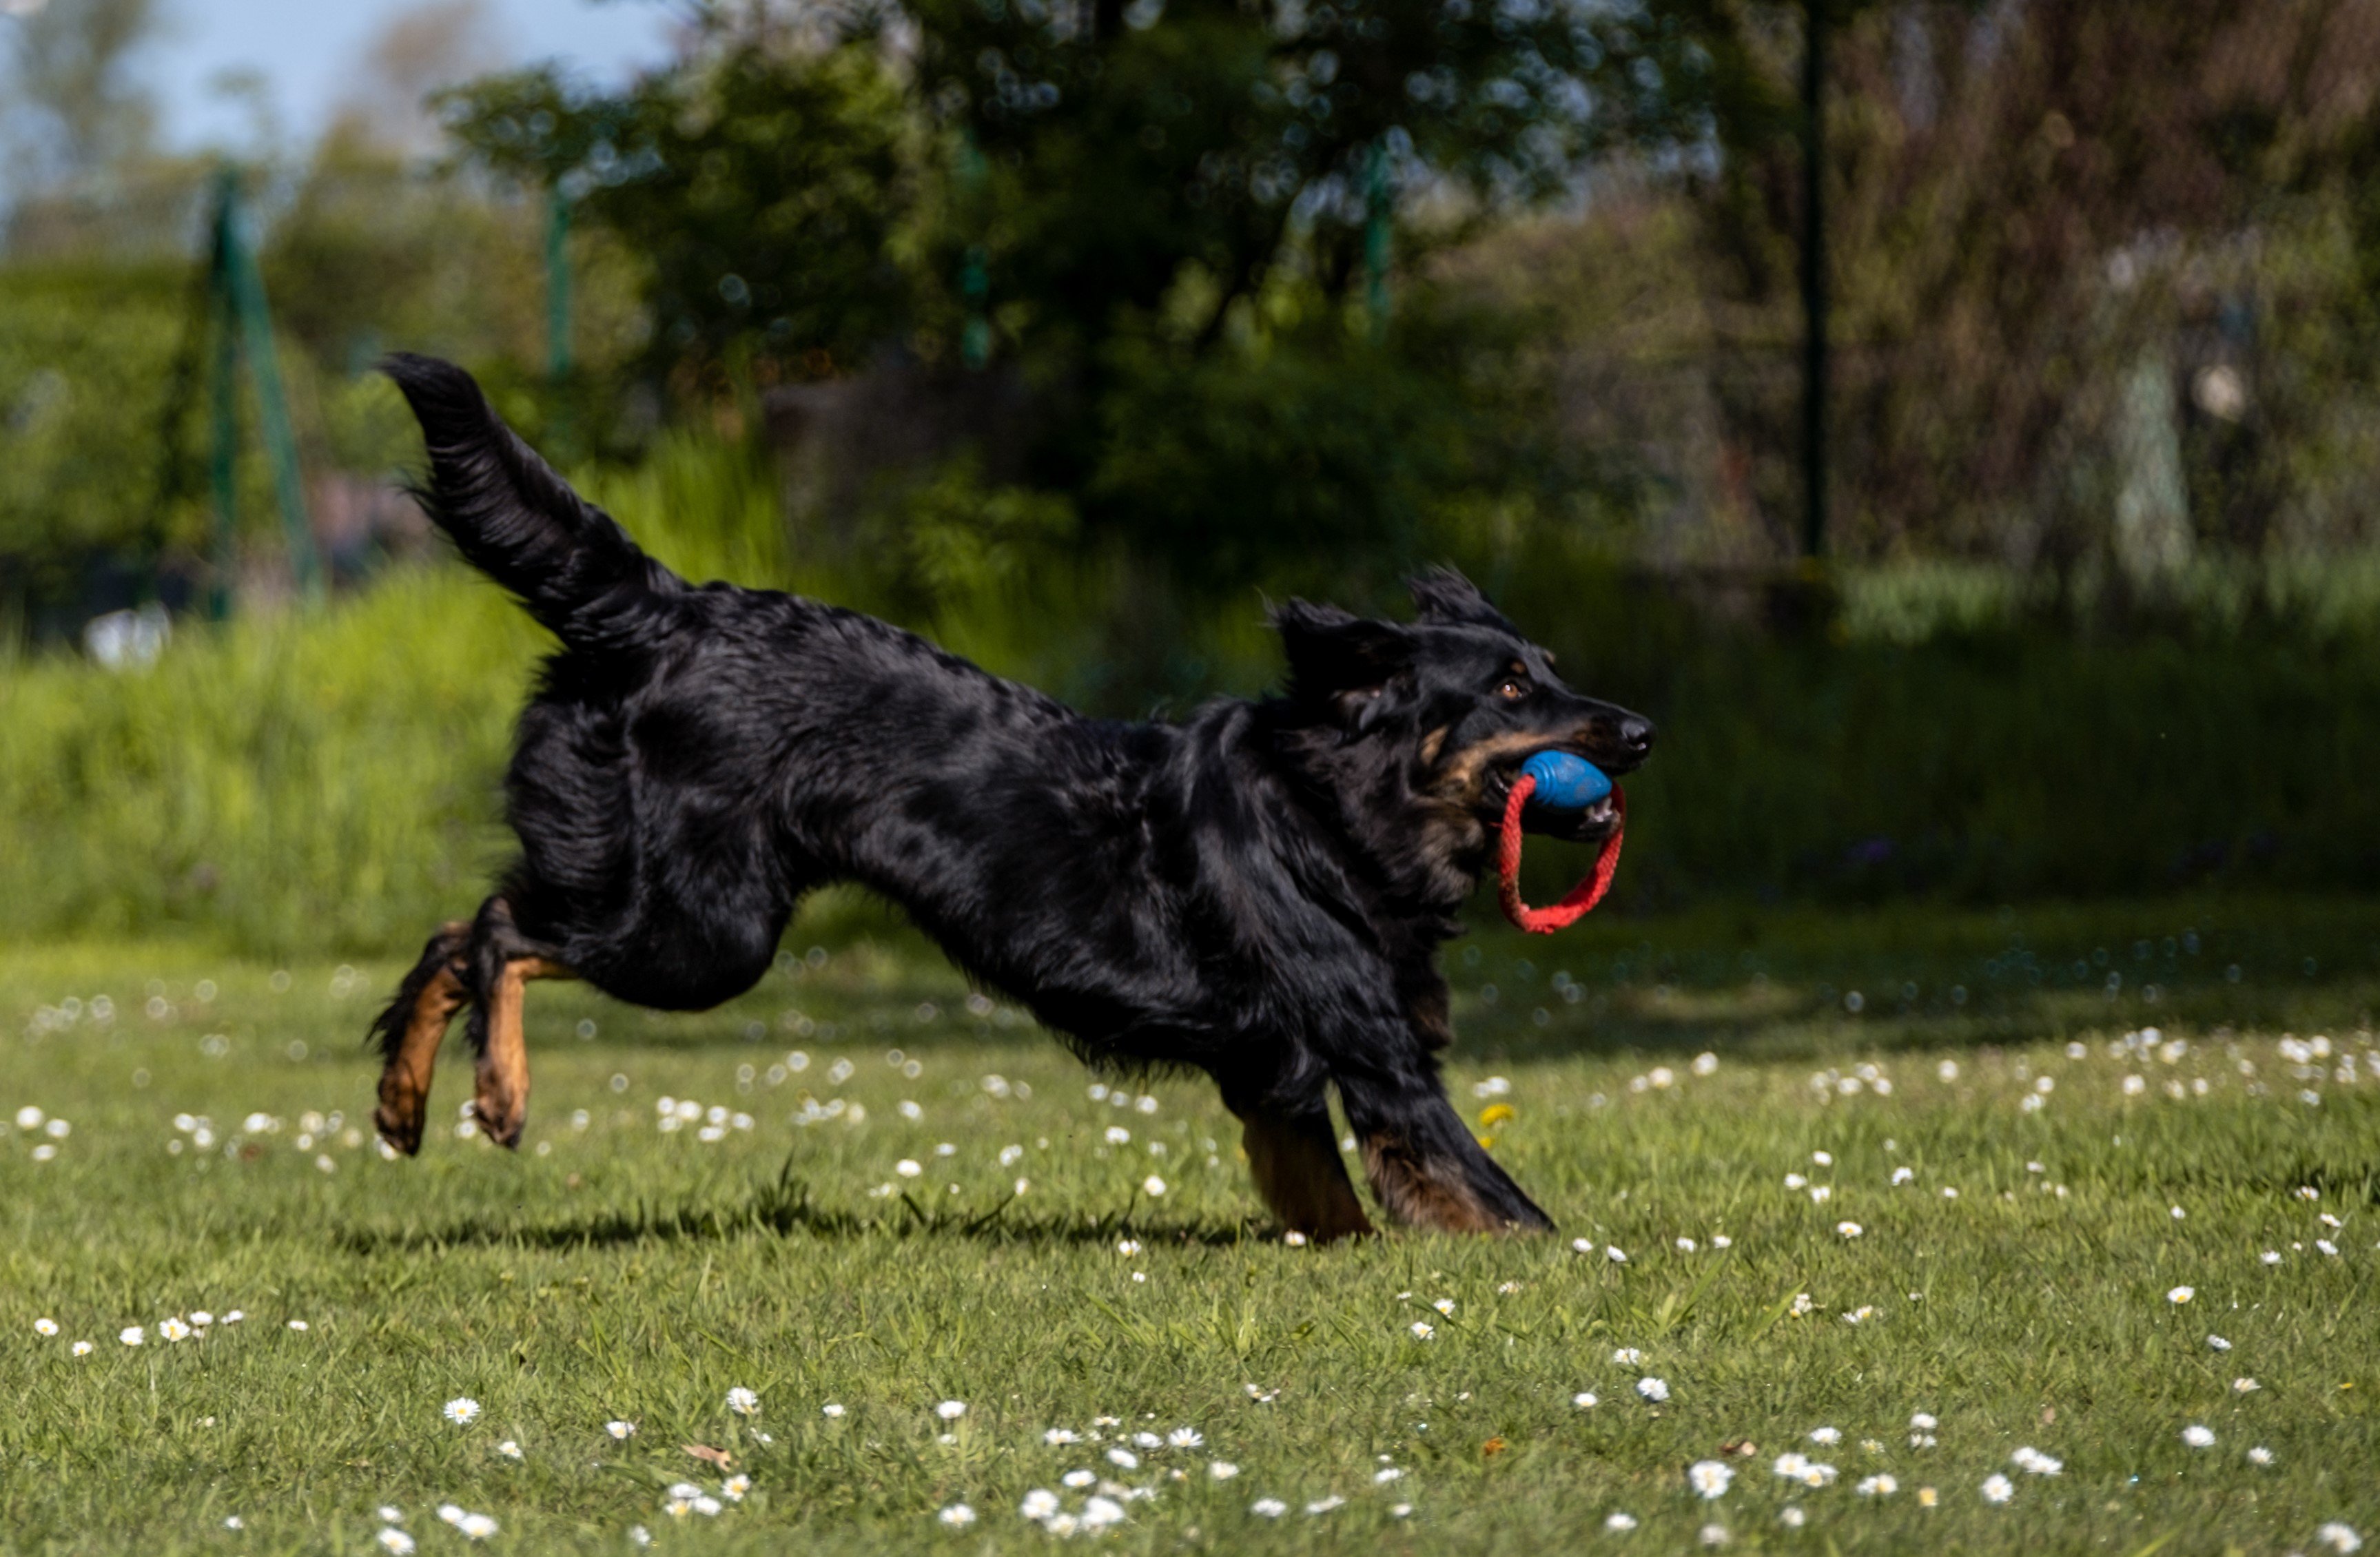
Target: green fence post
point(1814, 280)
point(222, 386)
point(247, 288)
point(557, 285)
point(1375, 239)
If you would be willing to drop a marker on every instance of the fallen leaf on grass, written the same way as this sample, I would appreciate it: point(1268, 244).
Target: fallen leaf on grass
point(718, 1457)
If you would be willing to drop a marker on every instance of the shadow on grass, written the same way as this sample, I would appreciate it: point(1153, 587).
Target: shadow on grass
point(781, 1209)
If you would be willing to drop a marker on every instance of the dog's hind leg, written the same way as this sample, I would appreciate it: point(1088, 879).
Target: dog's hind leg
point(409, 1032)
point(503, 961)
point(1293, 1156)
point(1427, 1169)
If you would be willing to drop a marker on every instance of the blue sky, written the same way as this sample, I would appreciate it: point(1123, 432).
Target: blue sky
point(311, 51)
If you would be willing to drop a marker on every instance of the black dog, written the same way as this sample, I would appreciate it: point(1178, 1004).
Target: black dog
point(1259, 892)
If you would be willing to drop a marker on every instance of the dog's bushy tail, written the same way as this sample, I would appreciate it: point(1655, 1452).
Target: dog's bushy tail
point(516, 521)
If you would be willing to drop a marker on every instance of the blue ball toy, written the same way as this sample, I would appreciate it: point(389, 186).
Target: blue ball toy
point(1566, 782)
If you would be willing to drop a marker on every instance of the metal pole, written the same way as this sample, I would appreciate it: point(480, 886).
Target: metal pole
point(975, 265)
point(557, 287)
point(1814, 280)
point(224, 464)
point(271, 408)
point(1375, 239)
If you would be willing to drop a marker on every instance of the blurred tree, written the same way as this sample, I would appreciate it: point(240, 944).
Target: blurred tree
point(761, 184)
point(1110, 151)
point(2055, 219)
point(71, 106)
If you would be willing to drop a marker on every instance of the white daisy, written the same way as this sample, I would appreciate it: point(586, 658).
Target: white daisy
point(509, 1450)
point(2181, 1295)
point(1653, 1390)
point(1269, 1508)
point(1421, 1330)
point(1584, 1400)
point(1709, 1478)
point(1222, 1471)
point(2338, 1537)
point(1998, 1487)
point(1620, 1522)
point(1185, 1438)
point(462, 1411)
point(395, 1543)
point(743, 1402)
point(1078, 1479)
point(1627, 1356)
point(1877, 1487)
point(1039, 1504)
point(1826, 1435)
point(1153, 1187)
point(2260, 1456)
point(617, 1430)
point(479, 1527)
point(82, 1348)
point(958, 1516)
point(2198, 1437)
point(132, 1335)
point(173, 1329)
point(1848, 1229)
point(951, 1410)
point(46, 1327)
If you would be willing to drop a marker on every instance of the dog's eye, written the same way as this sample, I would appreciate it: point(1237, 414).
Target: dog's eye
point(1512, 689)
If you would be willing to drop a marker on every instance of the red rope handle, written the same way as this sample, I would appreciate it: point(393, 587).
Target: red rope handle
point(1583, 896)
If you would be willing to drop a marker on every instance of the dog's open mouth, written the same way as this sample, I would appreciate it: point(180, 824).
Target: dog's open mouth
point(1571, 824)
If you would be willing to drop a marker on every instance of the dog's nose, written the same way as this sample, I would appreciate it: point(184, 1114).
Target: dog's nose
point(1636, 734)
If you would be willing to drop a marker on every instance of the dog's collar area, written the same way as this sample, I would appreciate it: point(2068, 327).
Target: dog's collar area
point(1582, 897)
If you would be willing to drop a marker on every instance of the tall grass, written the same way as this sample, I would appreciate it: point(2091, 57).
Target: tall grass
point(327, 780)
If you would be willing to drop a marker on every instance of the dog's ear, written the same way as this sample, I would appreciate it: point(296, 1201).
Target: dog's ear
point(1341, 661)
point(1444, 597)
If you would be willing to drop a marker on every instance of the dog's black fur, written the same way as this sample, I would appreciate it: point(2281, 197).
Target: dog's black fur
point(1257, 892)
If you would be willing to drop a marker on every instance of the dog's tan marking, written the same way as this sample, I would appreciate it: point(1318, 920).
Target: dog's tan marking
point(1468, 770)
point(1431, 744)
point(1422, 1193)
point(502, 1105)
point(405, 1079)
point(1298, 1170)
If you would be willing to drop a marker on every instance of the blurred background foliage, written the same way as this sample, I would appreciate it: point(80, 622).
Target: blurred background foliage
point(1069, 331)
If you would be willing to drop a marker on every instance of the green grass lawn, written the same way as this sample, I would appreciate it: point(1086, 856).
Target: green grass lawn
point(215, 1156)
